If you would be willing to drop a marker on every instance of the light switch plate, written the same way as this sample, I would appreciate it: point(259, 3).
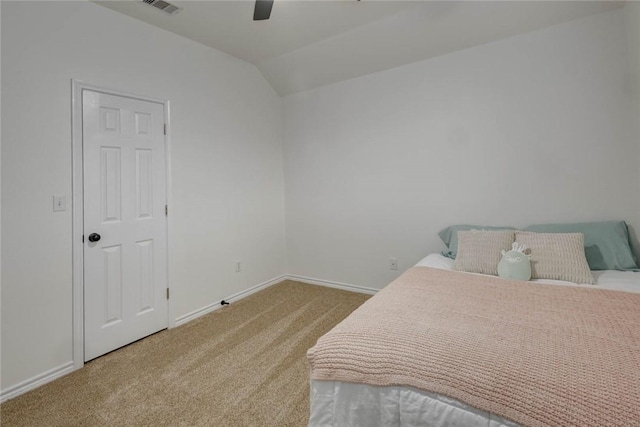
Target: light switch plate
point(59, 203)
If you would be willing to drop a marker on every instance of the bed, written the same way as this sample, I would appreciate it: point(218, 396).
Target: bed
point(355, 369)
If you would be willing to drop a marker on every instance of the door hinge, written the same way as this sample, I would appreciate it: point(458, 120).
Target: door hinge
point(166, 210)
point(167, 293)
point(165, 128)
point(83, 238)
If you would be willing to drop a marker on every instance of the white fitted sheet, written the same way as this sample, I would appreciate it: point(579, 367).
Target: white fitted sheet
point(339, 404)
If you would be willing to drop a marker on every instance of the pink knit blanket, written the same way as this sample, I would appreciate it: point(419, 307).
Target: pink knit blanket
point(539, 355)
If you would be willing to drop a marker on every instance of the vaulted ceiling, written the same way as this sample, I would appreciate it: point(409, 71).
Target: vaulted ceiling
point(311, 43)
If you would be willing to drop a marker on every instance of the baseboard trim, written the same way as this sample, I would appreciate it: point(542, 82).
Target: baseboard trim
point(235, 297)
point(36, 381)
point(331, 284)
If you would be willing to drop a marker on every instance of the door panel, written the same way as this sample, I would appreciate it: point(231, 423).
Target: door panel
point(124, 197)
point(110, 190)
point(144, 183)
point(112, 293)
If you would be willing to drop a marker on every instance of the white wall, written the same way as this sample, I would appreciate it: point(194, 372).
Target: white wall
point(632, 26)
point(0, 201)
point(534, 128)
point(226, 158)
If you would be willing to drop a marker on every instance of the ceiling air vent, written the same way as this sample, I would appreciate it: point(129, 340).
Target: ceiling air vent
point(164, 6)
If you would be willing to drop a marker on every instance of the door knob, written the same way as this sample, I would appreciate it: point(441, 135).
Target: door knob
point(94, 237)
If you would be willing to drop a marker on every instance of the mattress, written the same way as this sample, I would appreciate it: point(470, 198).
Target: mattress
point(335, 403)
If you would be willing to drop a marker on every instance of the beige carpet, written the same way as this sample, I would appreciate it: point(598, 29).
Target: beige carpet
point(242, 365)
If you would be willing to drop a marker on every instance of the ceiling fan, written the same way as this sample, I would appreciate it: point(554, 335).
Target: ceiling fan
point(262, 10)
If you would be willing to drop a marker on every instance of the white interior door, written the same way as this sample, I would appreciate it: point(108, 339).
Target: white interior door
point(125, 224)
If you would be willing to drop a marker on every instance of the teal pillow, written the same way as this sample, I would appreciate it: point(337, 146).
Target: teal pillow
point(450, 236)
point(607, 244)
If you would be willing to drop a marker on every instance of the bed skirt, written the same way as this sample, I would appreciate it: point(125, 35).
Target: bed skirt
point(339, 404)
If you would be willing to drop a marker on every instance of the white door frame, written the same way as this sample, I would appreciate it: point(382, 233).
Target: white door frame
point(77, 86)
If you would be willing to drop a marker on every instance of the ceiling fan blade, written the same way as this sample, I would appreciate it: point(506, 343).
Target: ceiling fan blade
point(262, 10)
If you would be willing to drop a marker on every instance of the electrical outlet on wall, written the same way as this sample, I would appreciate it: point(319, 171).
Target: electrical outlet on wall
point(393, 264)
point(238, 267)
